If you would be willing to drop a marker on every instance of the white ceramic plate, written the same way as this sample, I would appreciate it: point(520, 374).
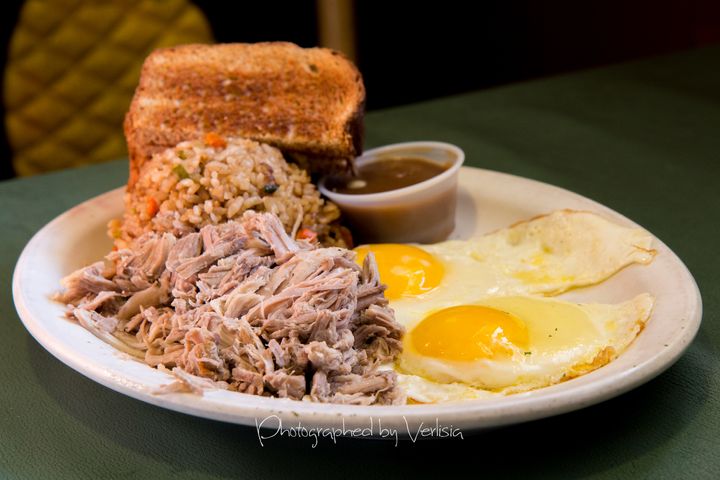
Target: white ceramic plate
point(488, 200)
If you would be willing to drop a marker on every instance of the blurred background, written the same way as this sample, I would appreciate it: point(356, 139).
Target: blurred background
point(70, 66)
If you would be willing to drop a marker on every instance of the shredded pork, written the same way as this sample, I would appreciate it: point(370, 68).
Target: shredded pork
point(243, 306)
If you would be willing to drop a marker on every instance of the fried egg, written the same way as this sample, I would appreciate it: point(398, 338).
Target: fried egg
point(546, 255)
point(513, 344)
point(475, 315)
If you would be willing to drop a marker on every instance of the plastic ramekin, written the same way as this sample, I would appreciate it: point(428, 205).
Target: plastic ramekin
point(420, 213)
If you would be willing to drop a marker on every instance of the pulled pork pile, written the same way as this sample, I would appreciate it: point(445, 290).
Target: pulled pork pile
point(247, 307)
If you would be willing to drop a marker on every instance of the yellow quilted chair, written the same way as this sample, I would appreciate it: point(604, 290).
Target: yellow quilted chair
point(72, 68)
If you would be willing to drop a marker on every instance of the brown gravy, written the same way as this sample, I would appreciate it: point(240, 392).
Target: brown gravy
point(385, 174)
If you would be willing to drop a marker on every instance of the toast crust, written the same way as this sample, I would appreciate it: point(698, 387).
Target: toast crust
point(306, 102)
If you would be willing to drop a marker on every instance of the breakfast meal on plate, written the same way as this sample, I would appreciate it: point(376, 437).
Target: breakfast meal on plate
point(230, 270)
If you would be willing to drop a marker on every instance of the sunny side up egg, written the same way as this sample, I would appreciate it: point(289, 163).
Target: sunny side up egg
point(512, 344)
point(473, 324)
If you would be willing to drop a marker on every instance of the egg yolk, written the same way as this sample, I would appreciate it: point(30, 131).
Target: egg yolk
point(407, 270)
point(469, 332)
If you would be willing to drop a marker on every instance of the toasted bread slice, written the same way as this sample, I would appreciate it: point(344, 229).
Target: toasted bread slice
point(309, 103)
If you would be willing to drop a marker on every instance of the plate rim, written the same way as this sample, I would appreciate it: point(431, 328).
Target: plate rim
point(468, 415)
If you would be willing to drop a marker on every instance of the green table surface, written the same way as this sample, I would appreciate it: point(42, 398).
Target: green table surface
point(642, 138)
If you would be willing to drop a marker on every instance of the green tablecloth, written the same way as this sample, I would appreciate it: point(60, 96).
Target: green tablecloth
point(642, 138)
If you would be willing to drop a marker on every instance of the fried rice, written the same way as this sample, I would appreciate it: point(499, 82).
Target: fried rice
point(211, 181)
